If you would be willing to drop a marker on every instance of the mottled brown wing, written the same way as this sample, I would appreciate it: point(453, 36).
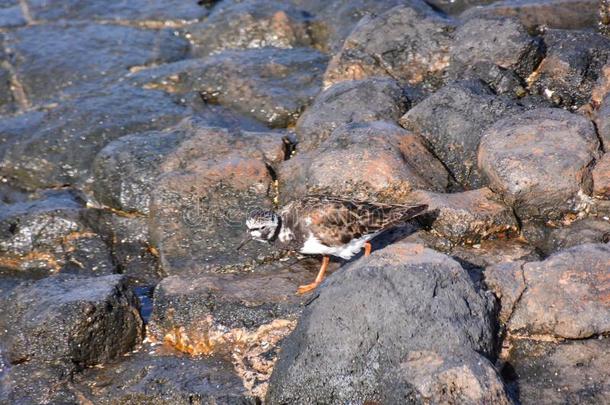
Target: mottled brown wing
point(336, 221)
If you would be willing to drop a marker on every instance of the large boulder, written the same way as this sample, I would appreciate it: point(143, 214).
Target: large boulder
point(564, 296)
point(81, 53)
point(374, 160)
point(403, 325)
point(539, 161)
point(371, 99)
point(408, 43)
point(70, 321)
point(452, 121)
point(209, 184)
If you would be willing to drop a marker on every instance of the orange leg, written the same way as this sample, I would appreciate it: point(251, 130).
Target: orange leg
point(309, 287)
point(367, 248)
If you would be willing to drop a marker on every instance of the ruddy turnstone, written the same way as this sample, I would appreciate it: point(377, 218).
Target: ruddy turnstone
point(327, 226)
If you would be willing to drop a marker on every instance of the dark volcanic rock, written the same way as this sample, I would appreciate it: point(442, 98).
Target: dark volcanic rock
point(571, 67)
point(198, 207)
point(126, 169)
point(601, 177)
point(163, 377)
point(452, 121)
point(466, 217)
point(270, 84)
point(565, 295)
point(129, 239)
point(539, 161)
point(58, 148)
point(133, 10)
point(566, 14)
point(372, 99)
point(33, 383)
point(375, 160)
point(453, 7)
point(574, 372)
point(80, 53)
point(11, 14)
point(603, 122)
point(503, 42)
point(245, 300)
point(250, 24)
point(71, 321)
point(245, 315)
point(394, 327)
point(408, 43)
point(334, 20)
point(588, 230)
point(52, 233)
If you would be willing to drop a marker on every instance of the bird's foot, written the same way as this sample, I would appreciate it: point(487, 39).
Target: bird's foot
point(304, 289)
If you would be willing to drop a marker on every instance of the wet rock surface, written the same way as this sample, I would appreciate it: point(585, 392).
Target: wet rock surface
point(71, 321)
point(135, 137)
point(157, 375)
point(57, 148)
point(572, 371)
point(392, 330)
point(51, 233)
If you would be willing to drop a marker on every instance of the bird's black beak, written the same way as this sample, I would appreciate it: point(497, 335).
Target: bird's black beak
point(244, 242)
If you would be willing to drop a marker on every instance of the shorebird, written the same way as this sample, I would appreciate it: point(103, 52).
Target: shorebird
point(327, 226)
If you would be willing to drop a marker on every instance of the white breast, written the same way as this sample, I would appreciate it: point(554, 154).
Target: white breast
point(313, 246)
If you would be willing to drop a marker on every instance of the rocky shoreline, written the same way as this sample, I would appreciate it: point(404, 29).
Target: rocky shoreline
point(136, 136)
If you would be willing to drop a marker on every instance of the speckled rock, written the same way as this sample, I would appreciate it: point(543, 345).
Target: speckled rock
point(401, 345)
point(32, 383)
point(376, 160)
point(408, 43)
point(250, 24)
point(71, 321)
point(501, 41)
point(371, 99)
point(571, 67)
point(601, 178)
point(538, 161)
point(452, 121)
point(564, 296)
point(587, 230)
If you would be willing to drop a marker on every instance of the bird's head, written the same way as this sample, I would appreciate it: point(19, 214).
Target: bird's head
point(262, 226)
